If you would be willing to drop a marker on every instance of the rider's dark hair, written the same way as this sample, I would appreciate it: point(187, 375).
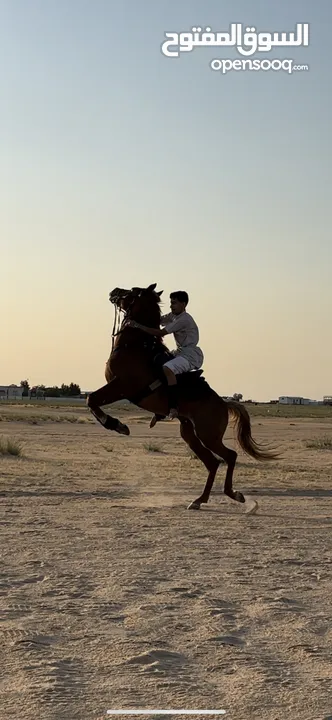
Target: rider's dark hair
point(181, 296)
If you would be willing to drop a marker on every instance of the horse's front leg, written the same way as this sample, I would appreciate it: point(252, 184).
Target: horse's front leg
point(107, 395)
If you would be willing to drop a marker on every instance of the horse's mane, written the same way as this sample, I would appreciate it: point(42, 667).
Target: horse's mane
point(158, 341)
point(149, 314)
point(156, 321)
point(152, 309)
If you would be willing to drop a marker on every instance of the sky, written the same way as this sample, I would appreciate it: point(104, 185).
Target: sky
point(123, 167)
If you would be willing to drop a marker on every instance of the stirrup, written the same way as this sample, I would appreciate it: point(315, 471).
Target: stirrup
point(173, 414)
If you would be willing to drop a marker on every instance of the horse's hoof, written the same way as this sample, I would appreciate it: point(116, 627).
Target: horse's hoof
point(239, 497)
point(194, 506)
point(123, 429)
point(252, 507)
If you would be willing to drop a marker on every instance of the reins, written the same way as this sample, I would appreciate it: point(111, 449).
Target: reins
point(116, 325)
point(117, 329)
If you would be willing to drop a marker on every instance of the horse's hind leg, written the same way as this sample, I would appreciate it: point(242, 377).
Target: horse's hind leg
point(230, 457)
point(210, 432)
point(210, 461)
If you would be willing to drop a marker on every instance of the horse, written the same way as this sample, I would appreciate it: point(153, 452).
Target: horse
point(133, 372)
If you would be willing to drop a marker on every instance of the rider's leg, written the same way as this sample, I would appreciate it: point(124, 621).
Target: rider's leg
point(172, 392)
point(171, 369)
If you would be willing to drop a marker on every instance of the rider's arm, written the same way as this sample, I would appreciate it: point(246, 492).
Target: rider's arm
point(179, 323)
point(173, 326)
point(166, 319)
point(151, 331)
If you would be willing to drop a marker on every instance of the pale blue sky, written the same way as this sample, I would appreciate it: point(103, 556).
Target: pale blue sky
point(120, 166)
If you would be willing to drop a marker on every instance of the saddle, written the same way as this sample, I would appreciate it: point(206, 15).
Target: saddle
point(191, 384)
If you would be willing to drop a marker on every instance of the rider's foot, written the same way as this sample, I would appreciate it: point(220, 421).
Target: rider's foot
point(156, 418)
point(172, 392)
point(173, 413)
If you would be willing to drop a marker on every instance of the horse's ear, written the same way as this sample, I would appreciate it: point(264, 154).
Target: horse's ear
point(151, 287)
point(160, 293)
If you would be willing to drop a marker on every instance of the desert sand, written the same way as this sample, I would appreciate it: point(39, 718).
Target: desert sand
point(114, 595)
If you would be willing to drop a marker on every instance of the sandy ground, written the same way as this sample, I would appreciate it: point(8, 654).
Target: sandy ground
point(114, 595)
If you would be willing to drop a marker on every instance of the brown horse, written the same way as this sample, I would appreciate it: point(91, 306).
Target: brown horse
point(132, 373)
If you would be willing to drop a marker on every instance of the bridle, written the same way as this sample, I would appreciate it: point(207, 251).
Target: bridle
point(117, 296)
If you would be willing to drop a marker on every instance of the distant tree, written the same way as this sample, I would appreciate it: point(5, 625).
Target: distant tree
point(52, 391)
point(74, 389)
point(70, 390)
point(26, 387)
point(37, 391)
point(237, 396)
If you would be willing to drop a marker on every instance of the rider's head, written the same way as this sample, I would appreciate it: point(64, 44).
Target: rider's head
point(179, 301)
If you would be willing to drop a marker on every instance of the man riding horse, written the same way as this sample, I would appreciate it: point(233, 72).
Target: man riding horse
point(133, 372)
point(187, 356)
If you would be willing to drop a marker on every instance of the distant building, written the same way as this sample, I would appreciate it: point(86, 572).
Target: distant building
point(327, 400)
point(11, 392)
point(293, 400)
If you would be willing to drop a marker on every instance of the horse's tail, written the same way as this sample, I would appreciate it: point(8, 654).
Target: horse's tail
point(244, 437)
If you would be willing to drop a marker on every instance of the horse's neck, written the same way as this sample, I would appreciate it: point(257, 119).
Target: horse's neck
point(152, 320)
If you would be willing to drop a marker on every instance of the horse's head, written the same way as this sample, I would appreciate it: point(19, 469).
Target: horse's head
point(118, 297)
point(141, 304)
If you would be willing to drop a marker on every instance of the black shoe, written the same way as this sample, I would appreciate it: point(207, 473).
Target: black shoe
point(156, 418)
point(173, 413)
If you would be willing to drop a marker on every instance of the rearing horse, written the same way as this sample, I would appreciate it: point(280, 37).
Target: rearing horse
point(131, 374)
